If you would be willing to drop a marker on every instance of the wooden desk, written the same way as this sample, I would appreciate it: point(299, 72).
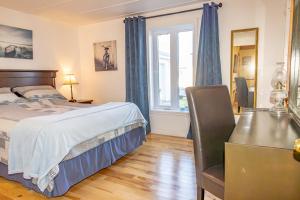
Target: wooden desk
point(259, 162)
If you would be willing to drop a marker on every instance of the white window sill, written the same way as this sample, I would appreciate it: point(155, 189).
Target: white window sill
point(162, 111)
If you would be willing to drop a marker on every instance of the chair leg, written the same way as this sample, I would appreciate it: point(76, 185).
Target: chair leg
point(200, 193)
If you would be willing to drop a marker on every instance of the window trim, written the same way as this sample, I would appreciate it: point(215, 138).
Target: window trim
point(174, 50)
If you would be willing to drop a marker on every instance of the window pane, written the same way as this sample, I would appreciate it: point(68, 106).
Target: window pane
point(164, 70)
point(185, 41)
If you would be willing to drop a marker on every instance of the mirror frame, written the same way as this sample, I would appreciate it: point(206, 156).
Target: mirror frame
point(256, 59)
point(293, 70)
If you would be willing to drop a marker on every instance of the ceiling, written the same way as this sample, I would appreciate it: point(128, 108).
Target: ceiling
point(90, 11)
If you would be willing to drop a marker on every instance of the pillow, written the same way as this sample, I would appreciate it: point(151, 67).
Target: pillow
point(38, 92)
point(6, 96)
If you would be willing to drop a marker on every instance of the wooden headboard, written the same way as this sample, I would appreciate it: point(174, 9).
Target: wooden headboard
point(16, 78)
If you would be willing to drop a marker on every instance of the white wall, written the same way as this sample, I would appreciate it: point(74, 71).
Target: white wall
point(102, 86)
point(55, 45)
point(70, 49)
point(244, 38)
point(268, 15)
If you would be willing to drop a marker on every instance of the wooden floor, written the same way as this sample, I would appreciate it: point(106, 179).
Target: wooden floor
point(162, 169)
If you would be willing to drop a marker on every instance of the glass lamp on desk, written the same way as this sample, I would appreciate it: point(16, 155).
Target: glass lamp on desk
point(70, 80)
point(279, 93)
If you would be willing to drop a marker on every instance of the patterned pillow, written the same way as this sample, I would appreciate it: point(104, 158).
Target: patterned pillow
point(6, 96)
point(38, 92)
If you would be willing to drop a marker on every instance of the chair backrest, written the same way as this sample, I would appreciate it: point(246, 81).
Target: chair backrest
point(212, 122)
point(242, 91)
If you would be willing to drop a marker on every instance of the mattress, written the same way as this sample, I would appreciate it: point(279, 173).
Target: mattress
point(7, 125)
point(74, 170)
point(11, 114)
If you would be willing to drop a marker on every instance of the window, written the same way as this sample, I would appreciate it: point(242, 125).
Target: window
point(172, 67)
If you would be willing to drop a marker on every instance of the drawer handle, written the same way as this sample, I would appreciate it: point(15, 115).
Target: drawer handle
point(297, 146)
point(297, 149)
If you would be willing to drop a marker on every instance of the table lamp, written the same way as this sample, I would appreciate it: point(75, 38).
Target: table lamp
point(279, 93)
point(70, 79)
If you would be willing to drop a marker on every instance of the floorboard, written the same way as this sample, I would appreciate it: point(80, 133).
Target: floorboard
point(161, 169)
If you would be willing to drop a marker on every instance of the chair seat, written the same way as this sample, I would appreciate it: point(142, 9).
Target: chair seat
point(213, 180)
point(215, 174)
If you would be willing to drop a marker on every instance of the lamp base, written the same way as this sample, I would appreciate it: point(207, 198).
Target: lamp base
point(278, 111)
point(72, 100)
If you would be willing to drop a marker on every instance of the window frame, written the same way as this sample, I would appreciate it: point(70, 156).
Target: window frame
point(174, 65)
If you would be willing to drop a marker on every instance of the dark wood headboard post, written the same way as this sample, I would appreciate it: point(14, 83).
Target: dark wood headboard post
point(16, 78)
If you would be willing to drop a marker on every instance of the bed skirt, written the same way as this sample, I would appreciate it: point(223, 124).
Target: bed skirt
point(79, 168)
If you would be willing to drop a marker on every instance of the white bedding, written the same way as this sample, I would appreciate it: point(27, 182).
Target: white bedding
point(44, 141)
point(6, 126)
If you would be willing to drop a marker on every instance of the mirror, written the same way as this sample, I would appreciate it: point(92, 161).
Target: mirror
point(243, 73)
point(294, 91)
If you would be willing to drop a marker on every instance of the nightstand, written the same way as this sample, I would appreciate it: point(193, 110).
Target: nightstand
point(85, 101)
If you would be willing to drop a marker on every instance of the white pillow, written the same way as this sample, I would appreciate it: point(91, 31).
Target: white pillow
point(6, 96)
point(38, 92)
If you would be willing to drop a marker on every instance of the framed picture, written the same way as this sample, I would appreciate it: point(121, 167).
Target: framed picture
point(15, 42)
point(105, 56)
point(246, 60)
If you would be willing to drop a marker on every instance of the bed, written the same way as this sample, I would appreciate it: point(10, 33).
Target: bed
point(53, 144)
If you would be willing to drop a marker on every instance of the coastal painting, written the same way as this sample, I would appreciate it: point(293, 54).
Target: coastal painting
point(15, 42)
point(105, 56)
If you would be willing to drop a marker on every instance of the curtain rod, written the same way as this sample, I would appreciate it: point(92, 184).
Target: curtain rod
point(179, 12)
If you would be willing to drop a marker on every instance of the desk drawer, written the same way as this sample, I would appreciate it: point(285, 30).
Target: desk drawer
point(260, 173)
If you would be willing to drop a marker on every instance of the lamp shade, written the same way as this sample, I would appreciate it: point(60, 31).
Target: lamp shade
point(70, 79)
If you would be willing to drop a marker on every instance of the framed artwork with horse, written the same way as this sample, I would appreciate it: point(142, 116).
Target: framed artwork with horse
point(105, 56)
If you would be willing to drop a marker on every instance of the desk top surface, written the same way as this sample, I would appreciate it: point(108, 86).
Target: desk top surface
point(260, 128)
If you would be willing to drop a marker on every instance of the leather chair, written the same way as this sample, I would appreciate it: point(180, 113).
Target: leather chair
point(245, 98)
point(212, 122)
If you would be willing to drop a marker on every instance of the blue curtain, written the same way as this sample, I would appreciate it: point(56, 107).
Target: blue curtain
point(136, 65)
point(209, 64)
